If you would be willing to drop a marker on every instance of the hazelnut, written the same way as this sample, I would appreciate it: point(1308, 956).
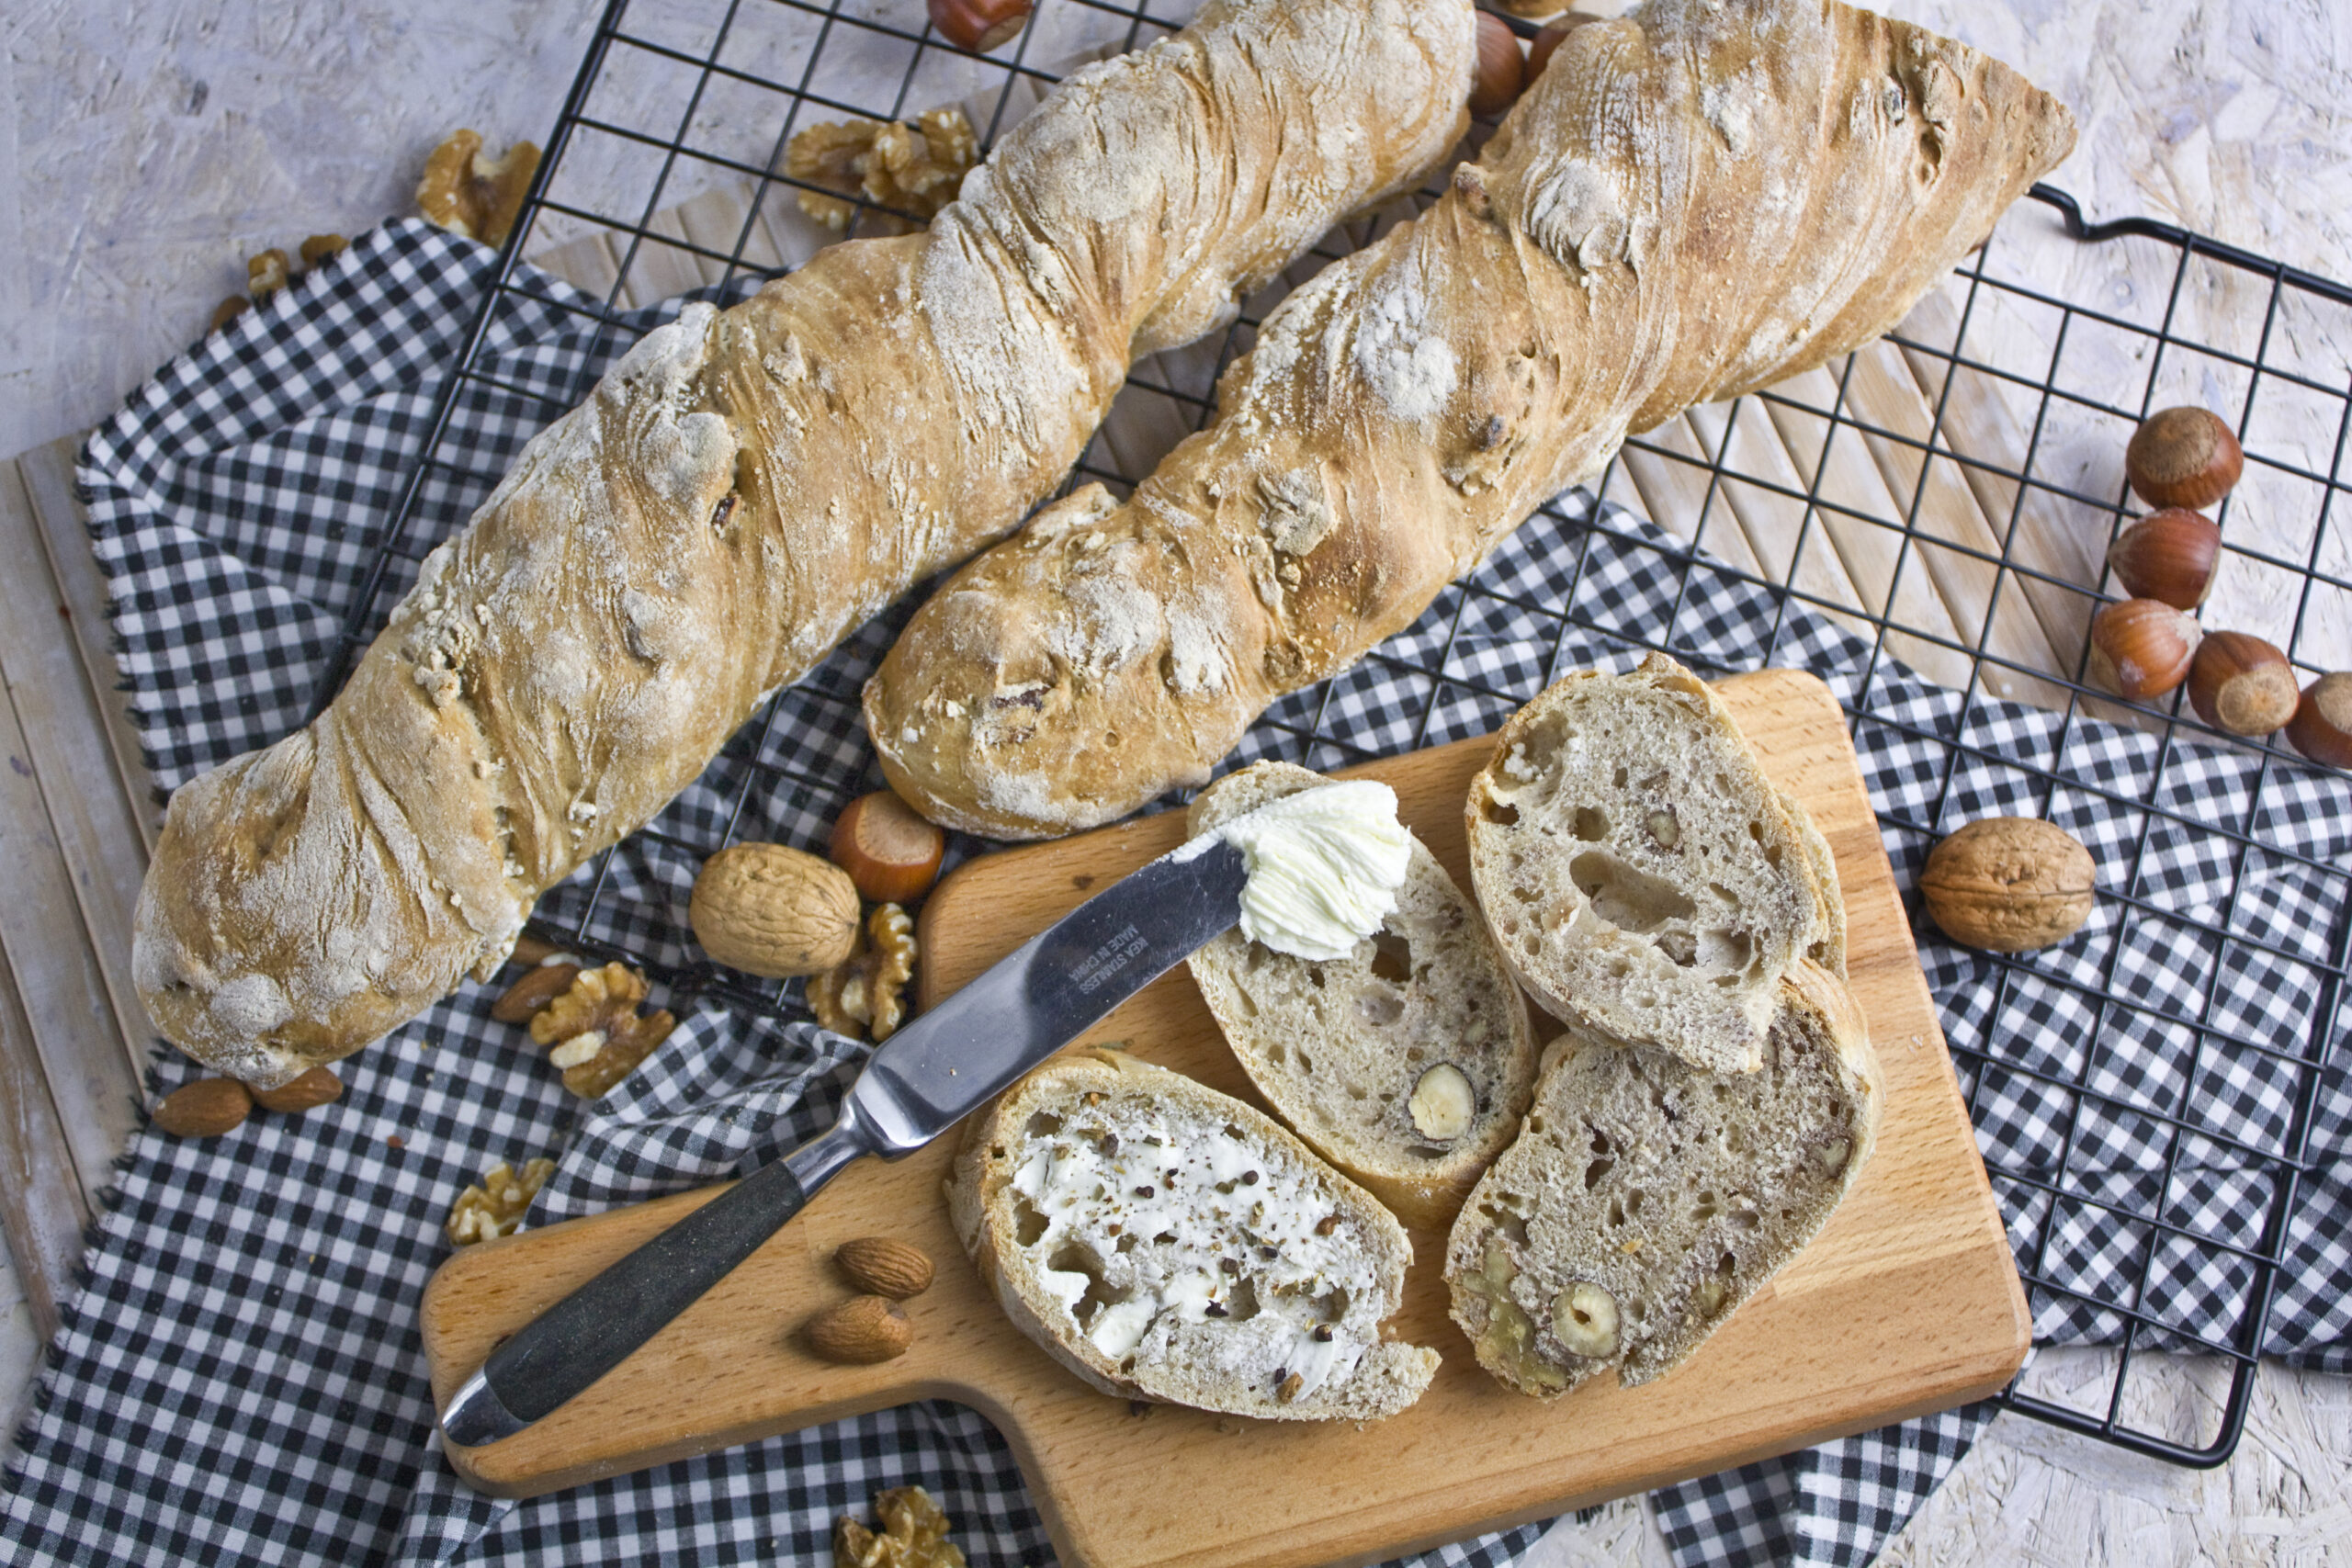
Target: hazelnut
point(1539, 52)
point(1443, 1103)
point(2242, 685)
point(979, 26)
point(1502, 67)
point(318, 247)
point(1584, 1317)
point(2183, 456)
point(229, 309)
point(2322, 728)
point(2009, 884)
point(2168, 556)
point(888, 849)
point(2140, 648)
point(1533, 10)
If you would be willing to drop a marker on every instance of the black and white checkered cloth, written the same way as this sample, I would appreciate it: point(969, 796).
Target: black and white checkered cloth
point(239, 1380)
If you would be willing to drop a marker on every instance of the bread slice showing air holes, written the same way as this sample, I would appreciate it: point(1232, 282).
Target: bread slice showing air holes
point(1167, 1242)
point(1645, 879)
point(1406, 1063)
point(1647, 1198)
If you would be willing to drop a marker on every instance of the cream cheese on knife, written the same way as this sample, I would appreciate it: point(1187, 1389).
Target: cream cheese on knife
point(1324, 864)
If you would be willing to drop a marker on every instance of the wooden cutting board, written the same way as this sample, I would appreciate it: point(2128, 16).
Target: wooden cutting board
point(1907, 1302)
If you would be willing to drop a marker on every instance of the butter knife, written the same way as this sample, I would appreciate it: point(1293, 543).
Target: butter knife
point(927, 1077)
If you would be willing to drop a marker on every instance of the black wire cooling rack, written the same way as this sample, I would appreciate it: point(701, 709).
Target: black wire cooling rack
point(2013, 375)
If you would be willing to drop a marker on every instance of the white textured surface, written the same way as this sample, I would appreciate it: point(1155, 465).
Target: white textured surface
point(146, 149)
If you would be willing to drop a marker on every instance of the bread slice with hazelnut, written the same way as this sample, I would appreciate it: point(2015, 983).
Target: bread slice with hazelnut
point(1645, 880)
point(1406, 1063)
point(1647, 1198)
point(1167, 1242)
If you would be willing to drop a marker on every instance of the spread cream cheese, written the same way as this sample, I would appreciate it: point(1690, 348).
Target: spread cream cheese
point(1172, 1242)
point(1324, 866)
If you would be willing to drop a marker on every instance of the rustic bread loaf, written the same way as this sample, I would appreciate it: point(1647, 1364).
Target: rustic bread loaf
point(1647, 1198)
point(1692, 200)
point(1164, 1241)
point(742, 489)
point(1645, 879)
point(1405, 1063)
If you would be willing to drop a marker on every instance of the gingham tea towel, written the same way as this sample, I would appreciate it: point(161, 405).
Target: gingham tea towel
point(239, 1380)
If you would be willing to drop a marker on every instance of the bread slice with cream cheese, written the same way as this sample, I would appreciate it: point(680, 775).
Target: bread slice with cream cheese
point(1646, 1199)
point(1167, 1242)
point(1405, 1063)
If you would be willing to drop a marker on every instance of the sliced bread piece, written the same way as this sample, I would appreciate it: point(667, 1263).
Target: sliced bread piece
point(1647, 1198)
point(1164, 1241)
point(1645, 880)
point(1406, 1063)
point(1828, 948)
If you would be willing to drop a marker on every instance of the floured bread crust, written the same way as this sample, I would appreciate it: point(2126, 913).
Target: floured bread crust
point(743, 488)
point(1692, 201)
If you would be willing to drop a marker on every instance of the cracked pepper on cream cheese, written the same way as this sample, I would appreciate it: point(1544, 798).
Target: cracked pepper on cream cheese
point(1191, 1246)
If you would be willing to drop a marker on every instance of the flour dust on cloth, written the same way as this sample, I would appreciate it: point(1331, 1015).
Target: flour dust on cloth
point(240, 1381)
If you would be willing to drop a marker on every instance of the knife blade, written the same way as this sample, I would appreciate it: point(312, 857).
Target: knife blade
point(923, 1080)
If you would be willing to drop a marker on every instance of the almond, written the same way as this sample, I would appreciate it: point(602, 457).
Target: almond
point(205, 1109)
point(317, 1086)
point(861, 1331)
point(884, 1266)
point(522, 1000)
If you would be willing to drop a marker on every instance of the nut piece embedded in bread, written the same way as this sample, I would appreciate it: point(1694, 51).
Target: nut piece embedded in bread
point(1645, 879)
point(1405, 1063)
point(1647, 1198)
point(1164, 1241)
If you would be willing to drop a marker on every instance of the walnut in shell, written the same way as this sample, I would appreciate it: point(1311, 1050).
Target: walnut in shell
point(2009, 884)
point(593, 1030)
point(770, 910)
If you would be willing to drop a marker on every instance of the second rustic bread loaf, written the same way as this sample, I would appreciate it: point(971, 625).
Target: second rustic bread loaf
point(1406, 1063)
point(1691, 200)
point(1647, 1198)
point(1168, 1241)
point(1645, 879)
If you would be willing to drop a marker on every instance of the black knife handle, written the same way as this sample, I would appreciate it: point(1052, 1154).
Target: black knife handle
point(559, 1354)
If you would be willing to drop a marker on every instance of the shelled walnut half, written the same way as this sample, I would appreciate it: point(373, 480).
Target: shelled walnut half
point(914, 167)
point(476, 197)
point(495, 1206)
point(913, 1535)
point(594, 1031)
point(865, 996)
